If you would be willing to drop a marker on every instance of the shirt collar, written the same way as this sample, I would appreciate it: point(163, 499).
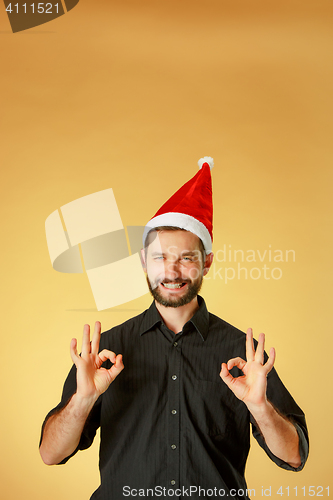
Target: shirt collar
point(200, 319)
point(150, 319)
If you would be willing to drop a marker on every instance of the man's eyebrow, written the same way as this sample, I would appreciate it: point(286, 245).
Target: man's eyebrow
point(191, 253)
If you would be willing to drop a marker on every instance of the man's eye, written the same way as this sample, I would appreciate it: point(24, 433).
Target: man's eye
point(187, 258)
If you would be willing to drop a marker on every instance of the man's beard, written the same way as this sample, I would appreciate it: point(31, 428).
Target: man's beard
point(193, 288)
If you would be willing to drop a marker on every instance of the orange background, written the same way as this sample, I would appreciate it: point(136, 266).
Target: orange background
point(130, 95)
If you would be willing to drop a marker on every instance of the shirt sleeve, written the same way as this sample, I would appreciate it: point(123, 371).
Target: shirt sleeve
point(282, 400)
point(93, 420)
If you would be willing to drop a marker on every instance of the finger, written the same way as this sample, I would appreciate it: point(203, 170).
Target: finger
point(86, 340)
point(73, 351)
point(225, 375)
point(249, 345)
point(239, 362)
point(116, 360)
point(270, 362)
point(106, 354)
point(96, 338)
point(259, 355)
point(117, 367)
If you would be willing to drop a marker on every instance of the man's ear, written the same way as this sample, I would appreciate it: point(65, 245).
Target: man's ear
point(143, 260)
point(208, 263)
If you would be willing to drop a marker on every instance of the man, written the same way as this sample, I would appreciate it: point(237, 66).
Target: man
point(175, 421)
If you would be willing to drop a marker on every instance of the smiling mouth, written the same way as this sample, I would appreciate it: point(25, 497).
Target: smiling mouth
point(173, 286)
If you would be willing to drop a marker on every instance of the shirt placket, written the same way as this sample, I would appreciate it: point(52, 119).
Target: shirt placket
point(173, 410)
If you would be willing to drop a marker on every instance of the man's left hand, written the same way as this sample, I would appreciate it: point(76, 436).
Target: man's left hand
point(251, 387)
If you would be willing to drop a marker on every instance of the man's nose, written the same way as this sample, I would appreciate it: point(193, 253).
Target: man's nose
point(172, 269)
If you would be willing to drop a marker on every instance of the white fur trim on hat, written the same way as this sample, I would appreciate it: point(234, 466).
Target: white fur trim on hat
point(183, 221)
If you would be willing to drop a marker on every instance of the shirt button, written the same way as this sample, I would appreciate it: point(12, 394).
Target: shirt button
point(174, 377)
point(173, 481)
point(173, 446)
point(173, 412)
point(175, 344)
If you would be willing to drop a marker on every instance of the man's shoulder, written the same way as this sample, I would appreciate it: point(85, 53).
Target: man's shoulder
point(223, 329)
point(130, 324)
point(217, 322)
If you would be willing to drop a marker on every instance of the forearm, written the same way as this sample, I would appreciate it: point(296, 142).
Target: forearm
point(62, 431)
point(279, 433)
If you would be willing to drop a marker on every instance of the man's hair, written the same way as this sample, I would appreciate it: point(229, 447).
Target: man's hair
point(174, 228)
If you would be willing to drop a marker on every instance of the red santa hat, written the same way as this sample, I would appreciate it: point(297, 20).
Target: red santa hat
point(191, 207)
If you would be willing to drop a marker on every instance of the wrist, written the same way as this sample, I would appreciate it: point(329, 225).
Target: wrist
point(260, 411)
point(83, 404)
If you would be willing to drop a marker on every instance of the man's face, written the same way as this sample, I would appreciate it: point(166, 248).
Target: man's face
point(174, 267)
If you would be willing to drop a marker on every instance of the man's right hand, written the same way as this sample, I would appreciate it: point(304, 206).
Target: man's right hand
point(62, 431)
point(92, 379)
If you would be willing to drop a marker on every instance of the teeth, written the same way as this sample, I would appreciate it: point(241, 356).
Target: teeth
point(173, 285)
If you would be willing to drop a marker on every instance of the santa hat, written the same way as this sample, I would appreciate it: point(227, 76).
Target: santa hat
point(191, 207)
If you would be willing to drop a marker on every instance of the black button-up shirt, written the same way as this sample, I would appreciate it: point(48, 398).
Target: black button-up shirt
point(168, 421)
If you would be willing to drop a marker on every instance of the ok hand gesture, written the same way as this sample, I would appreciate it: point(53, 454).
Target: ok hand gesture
point(92, 379)
point(251, 387)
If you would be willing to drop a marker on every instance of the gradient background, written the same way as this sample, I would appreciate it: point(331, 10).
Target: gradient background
point(129, 95)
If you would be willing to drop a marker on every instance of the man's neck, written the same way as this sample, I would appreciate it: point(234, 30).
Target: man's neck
point(176, 317)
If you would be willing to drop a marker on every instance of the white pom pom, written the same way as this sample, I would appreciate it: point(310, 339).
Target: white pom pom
point(206, 159)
